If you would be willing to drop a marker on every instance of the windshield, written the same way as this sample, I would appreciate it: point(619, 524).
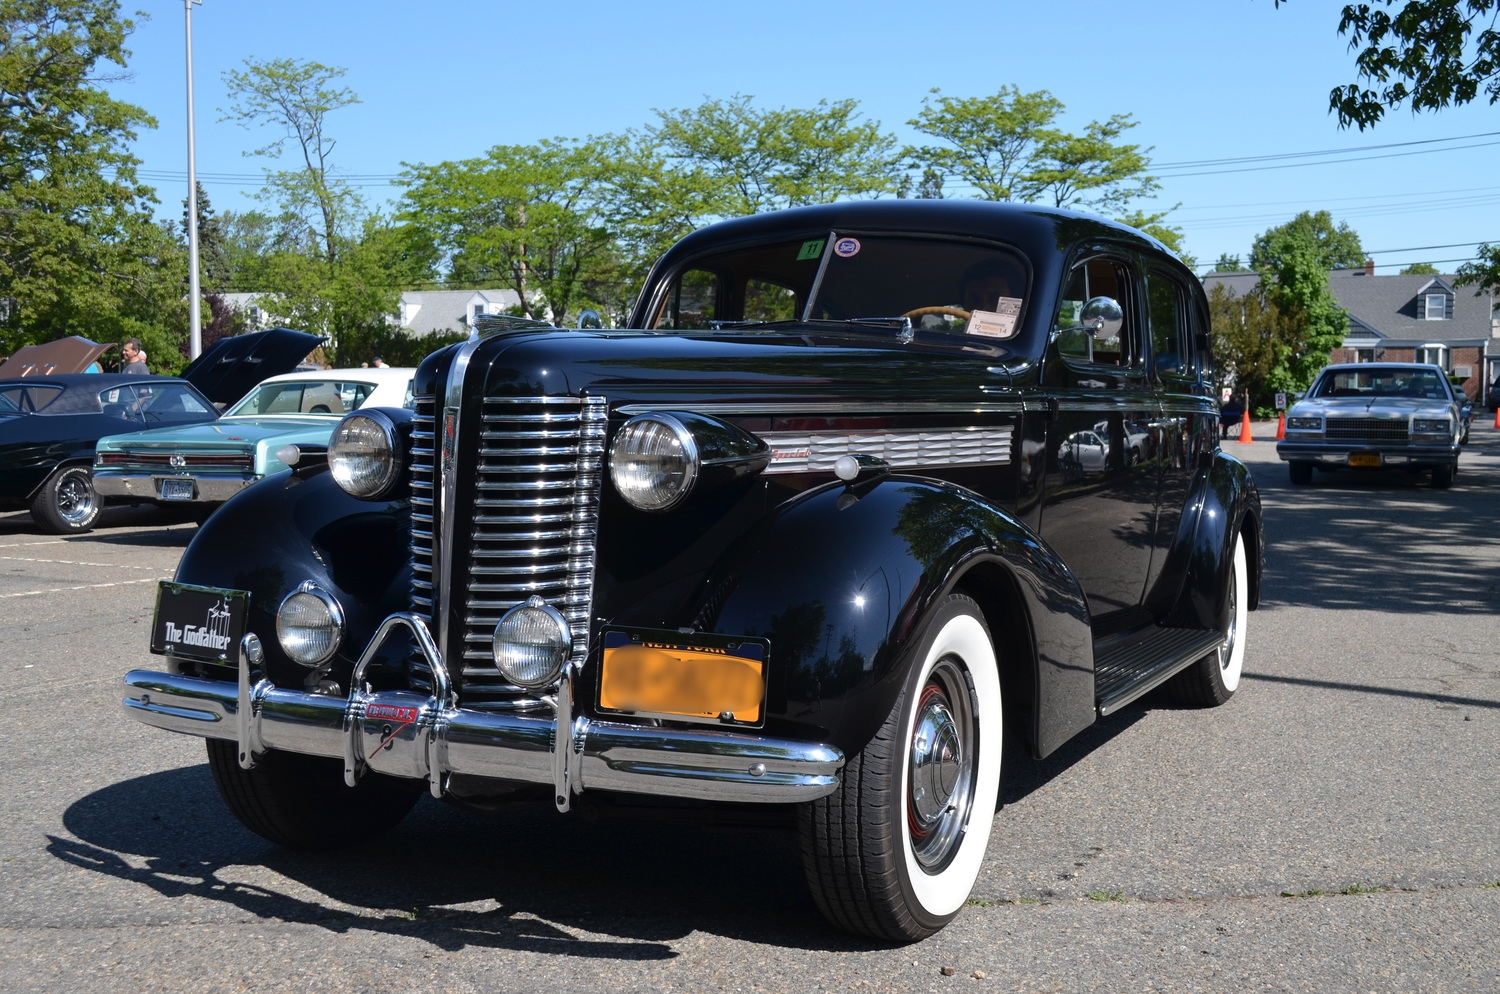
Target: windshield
point(154, 402)
point(332, 397)
point(1399, 382)
point(945, 287)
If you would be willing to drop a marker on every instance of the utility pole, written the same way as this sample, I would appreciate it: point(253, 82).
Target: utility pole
point(195, 319)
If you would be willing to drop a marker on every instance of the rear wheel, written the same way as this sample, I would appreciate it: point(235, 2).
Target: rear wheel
point(302, 802)
point(1300, 472)
point(1442, 476)
point(894, 853)
point(67, 504)
point(1213, 679)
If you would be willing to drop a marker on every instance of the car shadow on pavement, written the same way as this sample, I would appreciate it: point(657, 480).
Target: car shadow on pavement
point(608, 884)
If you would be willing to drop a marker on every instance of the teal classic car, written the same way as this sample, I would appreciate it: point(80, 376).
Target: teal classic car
point(206, 464)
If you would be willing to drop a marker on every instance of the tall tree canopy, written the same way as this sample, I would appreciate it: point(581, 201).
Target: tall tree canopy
point(78, 245)
point(1428, 53)
point(1334, 246)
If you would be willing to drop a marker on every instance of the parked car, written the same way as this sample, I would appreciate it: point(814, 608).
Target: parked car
point(50, 423)
point(804, 533)
point(1376, 415)
point(206, 464)
point(73, 354)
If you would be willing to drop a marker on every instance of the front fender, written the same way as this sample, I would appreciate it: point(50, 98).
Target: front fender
point(842, 579)
point(289, 528)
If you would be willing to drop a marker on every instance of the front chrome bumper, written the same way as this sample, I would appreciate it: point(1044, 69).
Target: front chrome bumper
point(1336, 454)
point(406, 734)
point(147, 486)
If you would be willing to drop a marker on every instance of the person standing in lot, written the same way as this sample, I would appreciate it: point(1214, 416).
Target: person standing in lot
point(135, 359)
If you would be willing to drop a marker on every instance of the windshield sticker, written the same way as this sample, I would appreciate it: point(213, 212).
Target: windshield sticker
point(999, 323)
point(846, 248)
point(812, 249)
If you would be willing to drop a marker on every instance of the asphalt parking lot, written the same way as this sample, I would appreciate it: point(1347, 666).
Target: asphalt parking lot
point(1335, 827)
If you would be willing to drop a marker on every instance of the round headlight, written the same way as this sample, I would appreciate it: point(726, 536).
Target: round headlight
point(653, 461)
point(531, 644)
point(362, 455)
point(309, 625)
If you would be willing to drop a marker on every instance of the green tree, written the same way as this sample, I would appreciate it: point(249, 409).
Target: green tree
point(1430, 53)
point(295, 98)
point(78, 246)
point(525, 216)
point(1420, 269)
point(759, 160)
point(988, 142)
point(213, 250)
point(1296, 281)
point(1227, 263)
point(1336, 246)
point(1251, 334)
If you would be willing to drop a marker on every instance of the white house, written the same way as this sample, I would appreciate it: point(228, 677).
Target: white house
point(428, 312)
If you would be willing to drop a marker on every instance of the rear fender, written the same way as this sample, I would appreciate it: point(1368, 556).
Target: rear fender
point(1224, 503)
point(842, 579)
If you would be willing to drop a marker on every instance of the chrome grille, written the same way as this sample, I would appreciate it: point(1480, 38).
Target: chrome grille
point(422, 436)
point(1366, 430)
point(534, 518)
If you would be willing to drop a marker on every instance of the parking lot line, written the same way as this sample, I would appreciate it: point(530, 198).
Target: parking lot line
point(70, 562)
point(82, 586)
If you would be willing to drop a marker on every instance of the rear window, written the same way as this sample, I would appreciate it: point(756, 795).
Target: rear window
point(27, 398)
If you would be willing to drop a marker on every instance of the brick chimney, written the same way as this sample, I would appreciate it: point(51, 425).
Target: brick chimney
point(1369, 267)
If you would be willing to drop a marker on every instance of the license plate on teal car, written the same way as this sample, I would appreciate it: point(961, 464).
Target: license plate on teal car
point(176, 489)
point(199, 622)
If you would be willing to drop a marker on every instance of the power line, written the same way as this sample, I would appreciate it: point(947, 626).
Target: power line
point(1198, 163)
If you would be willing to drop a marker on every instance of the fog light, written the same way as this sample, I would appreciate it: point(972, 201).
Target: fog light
point(531, 644)
point(309, 625)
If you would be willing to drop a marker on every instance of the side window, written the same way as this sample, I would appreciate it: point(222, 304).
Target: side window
point(1098, 277)
point(767, 301)
point(692, 301)
point(1166, 312)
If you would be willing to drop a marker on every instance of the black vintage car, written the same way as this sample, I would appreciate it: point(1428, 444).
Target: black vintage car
point(50, 423)
point(813, 531)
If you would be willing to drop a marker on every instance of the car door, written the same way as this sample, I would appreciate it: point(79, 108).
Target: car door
point(1099, 500)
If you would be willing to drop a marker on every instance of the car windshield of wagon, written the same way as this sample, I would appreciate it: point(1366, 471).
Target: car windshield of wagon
point(963, 289)
point(1414, 382)
point(334, 398)
point(154, 402)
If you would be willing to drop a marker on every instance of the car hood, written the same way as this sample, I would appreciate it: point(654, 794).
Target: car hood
point(1374, 407)
point(228, 368)
point(66, 355)
point(225, 433)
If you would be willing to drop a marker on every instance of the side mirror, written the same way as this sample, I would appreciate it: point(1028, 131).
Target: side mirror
point(1102, 317)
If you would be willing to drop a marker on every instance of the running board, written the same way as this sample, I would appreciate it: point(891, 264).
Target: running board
point(1132, 666)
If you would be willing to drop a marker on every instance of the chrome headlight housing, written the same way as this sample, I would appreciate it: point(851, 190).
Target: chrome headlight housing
point(1431, 426)
point(1304, 424)
point(363, 455)
point(531, 643)
point(309, 625)
point(653, 461)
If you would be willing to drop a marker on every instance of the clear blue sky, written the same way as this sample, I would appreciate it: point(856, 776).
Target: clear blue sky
point(1224, 79)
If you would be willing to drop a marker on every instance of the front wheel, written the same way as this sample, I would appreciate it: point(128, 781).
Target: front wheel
point(301, 802)
point(1442, 476)
point(67, 504)
point(895, 851)
point(1213, 679)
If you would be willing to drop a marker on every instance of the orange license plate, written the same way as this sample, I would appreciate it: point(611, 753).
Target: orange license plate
point(699, 677)
point(1365, 460)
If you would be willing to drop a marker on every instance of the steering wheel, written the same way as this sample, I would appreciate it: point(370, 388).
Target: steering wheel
point(952, 312)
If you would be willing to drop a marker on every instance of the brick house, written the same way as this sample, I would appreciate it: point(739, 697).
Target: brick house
point(1409, 319)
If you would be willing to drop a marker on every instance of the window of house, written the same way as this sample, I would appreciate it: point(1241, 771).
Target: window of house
point(1364, 355)
point(1437, 306)
point(1437, 355)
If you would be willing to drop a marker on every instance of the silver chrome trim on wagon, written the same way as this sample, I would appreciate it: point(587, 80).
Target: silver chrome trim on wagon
point(804, 452)
point(405, 734)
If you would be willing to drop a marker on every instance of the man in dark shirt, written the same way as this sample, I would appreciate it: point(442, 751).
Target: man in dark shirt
point(135, 361)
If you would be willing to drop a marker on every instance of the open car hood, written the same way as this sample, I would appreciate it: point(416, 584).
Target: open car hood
point(228, 368)
point(66, 355)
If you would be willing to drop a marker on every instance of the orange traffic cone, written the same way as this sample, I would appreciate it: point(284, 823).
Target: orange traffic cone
point(1245, 436)
point(1497, 417)
point(1280, 425)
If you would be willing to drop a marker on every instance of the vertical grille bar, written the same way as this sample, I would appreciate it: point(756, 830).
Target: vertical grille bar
point(422, 527)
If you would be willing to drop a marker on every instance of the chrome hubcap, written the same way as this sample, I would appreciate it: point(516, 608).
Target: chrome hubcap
point(940, 783)
point(1226, 648)
point(75, 499)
